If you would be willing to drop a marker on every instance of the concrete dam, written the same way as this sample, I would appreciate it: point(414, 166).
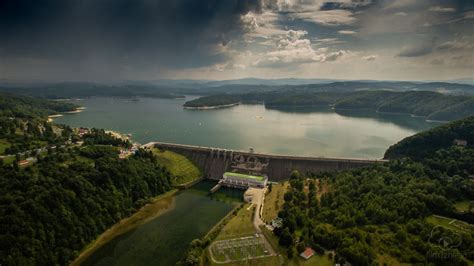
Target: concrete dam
point(214, 161)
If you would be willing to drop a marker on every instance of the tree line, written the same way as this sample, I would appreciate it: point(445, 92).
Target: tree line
point(383, 209)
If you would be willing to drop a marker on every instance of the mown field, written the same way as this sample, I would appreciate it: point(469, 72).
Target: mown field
point(241, 225)
point(274, 201)
point(178, 165)
point(449, 223)
point(462, 206)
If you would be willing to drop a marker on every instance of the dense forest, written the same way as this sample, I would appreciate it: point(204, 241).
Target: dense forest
point(60, 202)
point(433, 105)
point(28, 107)
point(388, 210)
point(425, 143)
point(23, 126)
point(50, 211)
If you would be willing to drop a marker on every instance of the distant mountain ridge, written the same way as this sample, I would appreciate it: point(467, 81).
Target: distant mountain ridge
point(178, 88)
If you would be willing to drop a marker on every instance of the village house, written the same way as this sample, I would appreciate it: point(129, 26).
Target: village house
point(307, 253)
point(277, 222)
point(460, 142)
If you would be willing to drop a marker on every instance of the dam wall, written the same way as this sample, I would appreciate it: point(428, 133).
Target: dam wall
point(214, 161)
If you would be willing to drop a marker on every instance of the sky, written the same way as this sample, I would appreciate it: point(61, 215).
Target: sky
point(112, 40)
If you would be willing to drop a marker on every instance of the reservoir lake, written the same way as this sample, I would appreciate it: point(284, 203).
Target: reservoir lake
point(319, 131)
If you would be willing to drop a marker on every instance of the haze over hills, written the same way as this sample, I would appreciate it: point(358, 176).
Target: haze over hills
point(176, 88)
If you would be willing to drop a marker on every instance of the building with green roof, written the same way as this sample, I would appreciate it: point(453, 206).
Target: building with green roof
point(243, 181)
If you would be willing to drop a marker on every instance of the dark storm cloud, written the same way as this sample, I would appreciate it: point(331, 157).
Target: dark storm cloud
point(416, 51)
point(138, 33)
point(352, 5)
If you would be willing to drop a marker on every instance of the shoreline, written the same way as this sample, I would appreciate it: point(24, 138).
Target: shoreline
point(75, 111)
point(159, 206)
point(210, 107)
point(117, 135)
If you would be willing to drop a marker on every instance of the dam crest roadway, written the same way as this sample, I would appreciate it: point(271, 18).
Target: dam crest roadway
point(214, 162)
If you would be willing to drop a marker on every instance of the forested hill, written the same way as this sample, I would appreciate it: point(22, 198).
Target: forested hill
point(27, 107)
point(432, 105)
point(415, 210)
point(67, 193)
point(51, 210)
point(23, 124)
point(442, 137)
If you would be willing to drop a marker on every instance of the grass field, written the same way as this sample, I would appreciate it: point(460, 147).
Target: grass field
point(452, 224)
point(3, 145)
point(9, 159)
point(274, 201)
point(462, 206)
point(239, 226)
point(179, 166)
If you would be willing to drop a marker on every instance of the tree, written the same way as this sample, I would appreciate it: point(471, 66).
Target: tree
point(295, 175)
point(300, 247)
point(288, 196)
point(286, 239)
point(289, 252)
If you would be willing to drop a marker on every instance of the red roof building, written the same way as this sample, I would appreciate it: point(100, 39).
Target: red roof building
point(307, 253)
point(23, 162)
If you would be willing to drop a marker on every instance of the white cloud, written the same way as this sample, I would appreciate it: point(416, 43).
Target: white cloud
point(328, 41)
point(335, 55)
point(261, 25)
point(347, 32)
point(310, 10)
point(402, 14)
point(441, 9)
point(370, 57)
point(294, 48)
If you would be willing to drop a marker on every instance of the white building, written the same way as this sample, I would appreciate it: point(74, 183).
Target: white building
point(243, 181)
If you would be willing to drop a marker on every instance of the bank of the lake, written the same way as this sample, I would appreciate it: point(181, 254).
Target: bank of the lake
point(209, 107)
point(164, 239)
point(308, 131)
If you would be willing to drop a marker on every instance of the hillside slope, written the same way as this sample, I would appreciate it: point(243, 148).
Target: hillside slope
point(432, 105)
point(426, 142)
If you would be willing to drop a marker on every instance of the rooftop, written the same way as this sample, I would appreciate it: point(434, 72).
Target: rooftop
point(259, 178)
point(308, 253)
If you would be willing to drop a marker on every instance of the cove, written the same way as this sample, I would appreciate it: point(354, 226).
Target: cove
point(164, 240)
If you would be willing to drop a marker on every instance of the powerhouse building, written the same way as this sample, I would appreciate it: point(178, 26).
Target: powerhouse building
point(243, 181)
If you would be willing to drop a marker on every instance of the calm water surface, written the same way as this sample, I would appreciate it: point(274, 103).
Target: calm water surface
point(165, 239)
point(297, 131)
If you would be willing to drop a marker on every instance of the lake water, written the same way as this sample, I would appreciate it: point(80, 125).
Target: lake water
point(294, 131)
point(165, 239)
